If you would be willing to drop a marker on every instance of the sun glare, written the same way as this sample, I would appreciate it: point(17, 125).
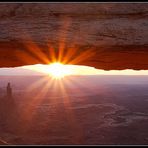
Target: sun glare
point(58, 70)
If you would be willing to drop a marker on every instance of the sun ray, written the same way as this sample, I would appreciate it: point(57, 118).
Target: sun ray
point(51, 54)
point(36, 51)
point(55, 57)
point(37, 84)
point(84, 55)
point(62, 38)
point(71, 115)
point(78, 85)
point(31, 47)
point(63, 53)
point(69, 55)
point(26, 57)
point(29, 112)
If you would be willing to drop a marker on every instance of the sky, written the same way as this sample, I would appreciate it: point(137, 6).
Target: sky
point(87, 70)
point(40, 69)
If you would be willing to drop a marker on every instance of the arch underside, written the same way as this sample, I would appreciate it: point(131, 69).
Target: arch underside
point(110, 36)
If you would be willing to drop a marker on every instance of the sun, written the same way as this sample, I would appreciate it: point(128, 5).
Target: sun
point(58, 70)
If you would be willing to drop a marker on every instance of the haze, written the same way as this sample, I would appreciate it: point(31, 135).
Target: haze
point(76, 70)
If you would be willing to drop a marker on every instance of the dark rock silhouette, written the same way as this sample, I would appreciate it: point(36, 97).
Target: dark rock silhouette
point(9, 97)
point(8, 110)
point(9, 91)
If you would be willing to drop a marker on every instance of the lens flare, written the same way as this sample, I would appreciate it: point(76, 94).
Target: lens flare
point(58, 70)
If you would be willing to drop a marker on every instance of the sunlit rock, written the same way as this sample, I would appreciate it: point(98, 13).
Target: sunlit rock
point(116, 34)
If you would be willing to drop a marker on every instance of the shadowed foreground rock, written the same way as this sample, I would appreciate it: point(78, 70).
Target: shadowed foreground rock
point(8, 112)
point(106, 35)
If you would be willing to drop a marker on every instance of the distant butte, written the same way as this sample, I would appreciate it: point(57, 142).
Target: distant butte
point(116, 33)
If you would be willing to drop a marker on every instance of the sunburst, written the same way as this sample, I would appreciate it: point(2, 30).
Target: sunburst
point(54, 60)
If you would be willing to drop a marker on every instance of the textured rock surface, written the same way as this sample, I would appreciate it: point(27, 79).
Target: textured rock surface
point(103, 35)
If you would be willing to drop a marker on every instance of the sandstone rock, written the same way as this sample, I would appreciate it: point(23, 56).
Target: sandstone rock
point(106, 35)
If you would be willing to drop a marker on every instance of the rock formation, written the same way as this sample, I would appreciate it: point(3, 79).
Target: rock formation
point(9, 91)
point(106, 35)
point(8, 111)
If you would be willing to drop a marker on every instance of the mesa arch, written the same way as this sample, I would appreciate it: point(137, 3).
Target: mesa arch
point(116, 33)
